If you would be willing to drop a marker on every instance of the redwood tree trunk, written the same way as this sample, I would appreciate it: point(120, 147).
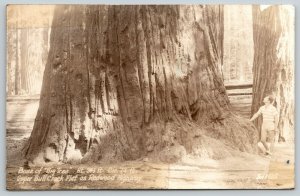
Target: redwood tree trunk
point(27, 48)
point(273, 67)
point(123, 82)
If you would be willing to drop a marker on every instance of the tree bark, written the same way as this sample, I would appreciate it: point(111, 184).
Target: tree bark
point(124, 82)
point(273, 67)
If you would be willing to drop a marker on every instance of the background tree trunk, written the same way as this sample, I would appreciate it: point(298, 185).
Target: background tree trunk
point(123, 82)
point(27, 49)
point(273, 67)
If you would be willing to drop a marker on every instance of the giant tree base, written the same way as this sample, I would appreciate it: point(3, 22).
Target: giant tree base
point(178, 140)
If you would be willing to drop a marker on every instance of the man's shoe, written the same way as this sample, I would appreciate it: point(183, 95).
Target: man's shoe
point(268, 152)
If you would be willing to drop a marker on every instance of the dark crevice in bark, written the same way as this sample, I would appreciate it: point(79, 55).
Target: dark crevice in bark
point(87, 44)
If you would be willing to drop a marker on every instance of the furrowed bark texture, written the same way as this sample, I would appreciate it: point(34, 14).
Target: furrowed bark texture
point(273, 67)
point(124, 82)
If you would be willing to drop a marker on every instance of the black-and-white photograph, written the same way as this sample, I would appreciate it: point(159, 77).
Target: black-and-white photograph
point(150, 97)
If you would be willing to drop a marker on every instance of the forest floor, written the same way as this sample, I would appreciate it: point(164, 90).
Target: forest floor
point(245, 171)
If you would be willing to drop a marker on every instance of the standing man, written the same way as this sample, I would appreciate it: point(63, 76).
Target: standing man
point(269, 124)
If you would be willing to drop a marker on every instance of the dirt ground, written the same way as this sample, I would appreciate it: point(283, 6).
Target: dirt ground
point(243, 171)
